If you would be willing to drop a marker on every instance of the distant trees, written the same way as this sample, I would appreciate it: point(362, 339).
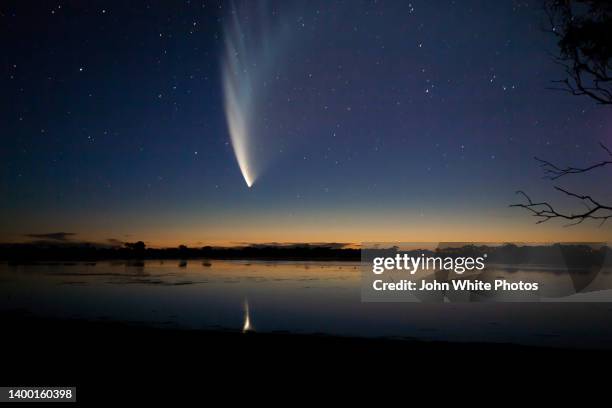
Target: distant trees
point(136, 246)
point(584, 32)
point(29, 252)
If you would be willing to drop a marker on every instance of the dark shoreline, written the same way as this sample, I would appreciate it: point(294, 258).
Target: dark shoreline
point(132, 360)
point(577, 255)
point(25, 253)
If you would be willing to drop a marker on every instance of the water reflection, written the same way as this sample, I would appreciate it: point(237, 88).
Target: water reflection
point(304, 297)
point(247, 318)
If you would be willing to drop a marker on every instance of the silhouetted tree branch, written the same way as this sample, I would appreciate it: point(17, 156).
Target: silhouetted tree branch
point(583, 29)
point(544, 211)
point(553, 172)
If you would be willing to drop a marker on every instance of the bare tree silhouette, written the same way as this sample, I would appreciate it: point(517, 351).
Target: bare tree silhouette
point(584, 32)
point(545, 211)
point(554, 172)
point(583, 29)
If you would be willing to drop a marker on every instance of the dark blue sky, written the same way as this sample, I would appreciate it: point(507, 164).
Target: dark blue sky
point(385, 121)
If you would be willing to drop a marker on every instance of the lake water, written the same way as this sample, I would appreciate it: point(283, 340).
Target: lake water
point(300, 297)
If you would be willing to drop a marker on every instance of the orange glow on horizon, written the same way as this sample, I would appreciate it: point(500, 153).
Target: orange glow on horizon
point(340, 227)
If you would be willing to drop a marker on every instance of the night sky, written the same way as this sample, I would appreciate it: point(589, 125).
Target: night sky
point(375, 121)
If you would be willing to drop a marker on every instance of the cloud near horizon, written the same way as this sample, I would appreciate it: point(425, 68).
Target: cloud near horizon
point(54, 236)
point(332, 245)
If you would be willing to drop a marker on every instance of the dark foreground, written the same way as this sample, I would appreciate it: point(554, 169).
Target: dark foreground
point(110, 362)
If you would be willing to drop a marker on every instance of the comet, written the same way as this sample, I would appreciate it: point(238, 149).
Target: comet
point(238, 117)
point(254, 44)
point(238, 69)
point(238, 102)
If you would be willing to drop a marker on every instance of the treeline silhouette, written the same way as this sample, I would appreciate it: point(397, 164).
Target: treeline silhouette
point(579, 255)
point(138, 250)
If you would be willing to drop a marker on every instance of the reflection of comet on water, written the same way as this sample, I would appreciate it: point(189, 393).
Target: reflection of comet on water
point(247, 318)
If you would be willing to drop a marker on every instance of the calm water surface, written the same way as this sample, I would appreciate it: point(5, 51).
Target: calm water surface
point(301, 297)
